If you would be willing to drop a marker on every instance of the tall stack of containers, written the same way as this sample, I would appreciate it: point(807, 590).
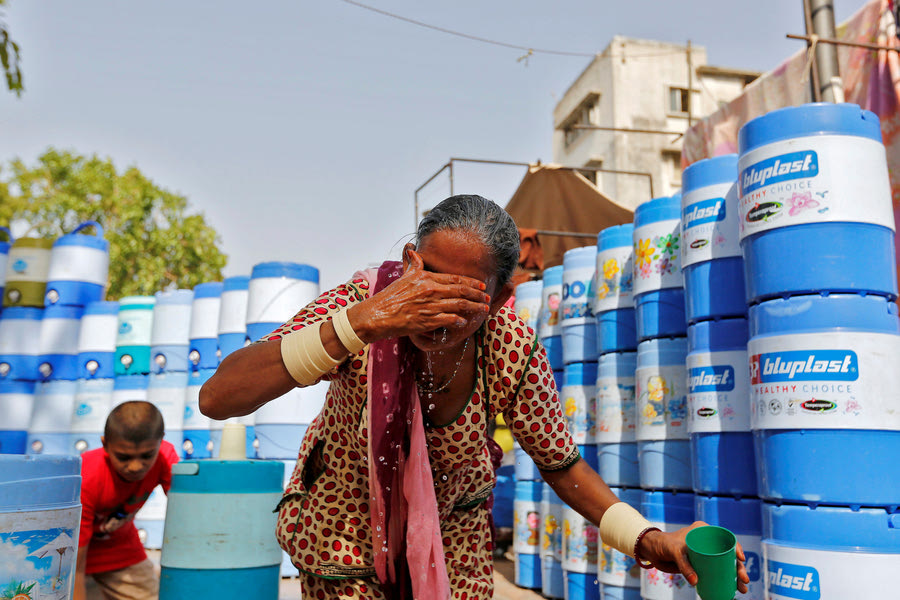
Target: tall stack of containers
point(232, 335)
point(617, 347)
point(169, 346)
point(96, 374)
point(527, 479)
point(277, 291)
point(824, 337)
point(664, 454)
point(619, 574)
point(669, 511)
point(578, 398)
point(553, 583)
point(723, 463)
point(203, 358)
point(4, 257)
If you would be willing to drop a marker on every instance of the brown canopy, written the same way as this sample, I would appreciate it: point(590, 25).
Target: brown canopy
point(554, 198)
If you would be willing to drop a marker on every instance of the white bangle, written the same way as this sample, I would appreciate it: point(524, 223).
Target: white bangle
point(346, 334)
point(620, 527)
point(304, 355)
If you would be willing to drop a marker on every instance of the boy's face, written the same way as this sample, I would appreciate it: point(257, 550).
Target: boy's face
point(131, 461)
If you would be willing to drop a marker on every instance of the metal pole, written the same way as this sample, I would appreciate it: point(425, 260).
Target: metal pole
point(419, 189)
point(827, 69)
point(451, 177)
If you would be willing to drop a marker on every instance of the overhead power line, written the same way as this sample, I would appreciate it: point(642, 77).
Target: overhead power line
point(467, 36)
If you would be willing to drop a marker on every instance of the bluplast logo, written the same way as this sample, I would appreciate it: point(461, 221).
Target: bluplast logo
point(804, 365)
point(785, 167)
point(715, 378)
point(700, 213)
point(793, 581)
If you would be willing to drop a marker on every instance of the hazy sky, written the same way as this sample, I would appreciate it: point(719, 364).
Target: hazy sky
point(301, 129)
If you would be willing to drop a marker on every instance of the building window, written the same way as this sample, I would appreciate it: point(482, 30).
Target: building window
point(583, 114)
point(589, 170)
point(679, 100)
point(672, 165)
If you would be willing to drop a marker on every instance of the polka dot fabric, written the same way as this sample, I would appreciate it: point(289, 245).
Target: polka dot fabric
point(324, 516)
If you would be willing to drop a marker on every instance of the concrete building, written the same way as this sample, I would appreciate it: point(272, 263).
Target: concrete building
point(638, 85)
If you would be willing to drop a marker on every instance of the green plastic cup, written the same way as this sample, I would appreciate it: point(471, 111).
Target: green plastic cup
point(713, 555)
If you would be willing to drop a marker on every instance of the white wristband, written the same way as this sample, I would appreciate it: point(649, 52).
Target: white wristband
point(620, 527)
point(304, 355)
point(345, 332)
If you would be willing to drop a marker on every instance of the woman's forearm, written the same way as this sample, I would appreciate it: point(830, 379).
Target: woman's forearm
point(583, 489)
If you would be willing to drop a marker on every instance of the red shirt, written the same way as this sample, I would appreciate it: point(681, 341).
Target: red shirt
point(105, 494)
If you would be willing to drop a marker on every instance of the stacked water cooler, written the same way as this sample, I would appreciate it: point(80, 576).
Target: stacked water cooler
point(578, 399)
point(617, 573)
point(276, 292)
point(231, 336)
point(818, 243)
point(661, 380)
point(724, 469)
point(203, 358)
point(514, 495)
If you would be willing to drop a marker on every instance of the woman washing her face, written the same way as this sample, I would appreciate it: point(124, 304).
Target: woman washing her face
point(388, 496)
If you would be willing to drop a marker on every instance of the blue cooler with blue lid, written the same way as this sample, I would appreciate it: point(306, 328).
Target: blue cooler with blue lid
point(658, 282)
point(830, 552)
point(579, 401)
point(617, 457)
point(711, 252)
point(664, 447)
point(232, 330)
point(169, 338)
point(197, 442)
point(79, 267)
point(97, 341)
point(60, 330)
point(549, 326)
point(617, 331)
point(20, 337)
point(815, 203)
point(823, 389)
point(203, 345)
point(527, 533)
point(722, 452)
point(579, 328)
point(743, 517)
point(615, 269)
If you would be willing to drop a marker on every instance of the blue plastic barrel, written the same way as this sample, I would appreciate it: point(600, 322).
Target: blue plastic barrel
point(615, 569)
point(711, 249)
point(40, 513)
point(617, 331)
point(658, 283)
point(743, 517)
point(816, 177)
point(824, 383)
point(528, 302)
point(197, 442)
point(616, 418)
point(79, 267)
point(204, 330)
point(167, 392)
point(232, 328)
point(60, 330)
point(579, 327)
point(169, 338)
point(615, 269)
point(20, 343)
point(93, 401)
point(664, 448)
point(278, 290)
point(133, 336)
point(578, 397)
point(552, 577)
point(719, 408)
point(51, 419)
point(16, 406)
point(527, 533)
point(669, 512)
point(549, 327)
point(97, 341)
point(829, 553)
point(233, 555)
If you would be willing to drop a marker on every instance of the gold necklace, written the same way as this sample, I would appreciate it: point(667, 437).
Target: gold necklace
point(428, 388)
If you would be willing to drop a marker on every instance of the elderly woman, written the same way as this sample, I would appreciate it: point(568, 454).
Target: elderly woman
point(388, 496)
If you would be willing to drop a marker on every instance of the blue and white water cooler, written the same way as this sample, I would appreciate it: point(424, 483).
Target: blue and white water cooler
point(169, 337)
point(203, 335)
point(579, 327)
point(549, 328)
point(79, 268)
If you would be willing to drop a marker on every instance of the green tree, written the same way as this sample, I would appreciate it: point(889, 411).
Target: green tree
point(9, 59)
point(153, 244)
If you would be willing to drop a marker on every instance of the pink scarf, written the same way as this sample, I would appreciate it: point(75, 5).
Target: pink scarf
point(406, 529)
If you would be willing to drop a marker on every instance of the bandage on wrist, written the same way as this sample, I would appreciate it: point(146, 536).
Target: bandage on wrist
point(346, 334)
point(304, 355)
point(622, 526)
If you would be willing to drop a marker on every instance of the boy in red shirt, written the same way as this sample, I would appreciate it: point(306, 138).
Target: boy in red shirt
point(116, 481)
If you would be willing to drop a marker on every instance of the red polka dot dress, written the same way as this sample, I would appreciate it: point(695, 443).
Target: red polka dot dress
point(323, 518)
